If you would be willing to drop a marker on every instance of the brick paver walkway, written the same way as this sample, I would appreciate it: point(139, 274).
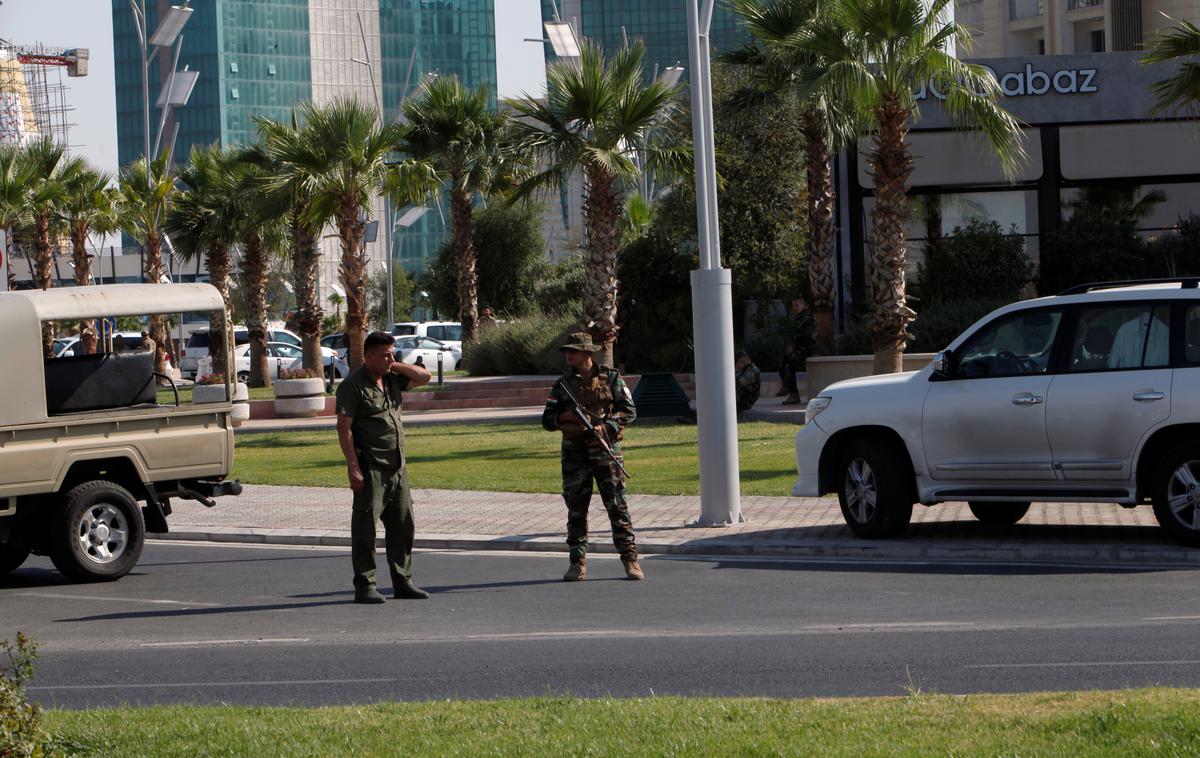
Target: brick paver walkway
point(774, 526)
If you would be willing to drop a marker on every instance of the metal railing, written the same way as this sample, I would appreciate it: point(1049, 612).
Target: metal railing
point(1024, 9)
point(1077, 4)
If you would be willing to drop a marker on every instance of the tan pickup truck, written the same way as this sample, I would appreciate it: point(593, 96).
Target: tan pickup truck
point(89, 459)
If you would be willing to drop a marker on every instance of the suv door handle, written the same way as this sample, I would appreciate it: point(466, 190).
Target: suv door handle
point(1027, 398)
point(1148, 397)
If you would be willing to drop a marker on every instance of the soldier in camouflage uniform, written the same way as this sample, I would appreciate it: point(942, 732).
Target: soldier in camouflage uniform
point(607, 402)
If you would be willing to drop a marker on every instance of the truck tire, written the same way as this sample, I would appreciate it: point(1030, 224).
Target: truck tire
point(12, 555)
point(99, 533)
point(875, 488)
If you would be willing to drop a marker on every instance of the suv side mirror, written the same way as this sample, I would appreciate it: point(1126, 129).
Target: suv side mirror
point(944, 365)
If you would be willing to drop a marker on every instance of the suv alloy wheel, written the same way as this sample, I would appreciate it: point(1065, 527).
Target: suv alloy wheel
point(1176, 492)
point(874, 487)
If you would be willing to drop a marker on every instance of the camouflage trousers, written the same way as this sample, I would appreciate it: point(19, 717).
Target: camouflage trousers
point(579, 470)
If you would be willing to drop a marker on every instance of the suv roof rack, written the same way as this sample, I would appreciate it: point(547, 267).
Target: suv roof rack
point(1184, 282)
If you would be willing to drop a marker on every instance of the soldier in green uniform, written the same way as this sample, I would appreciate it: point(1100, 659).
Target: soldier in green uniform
point(371, 436)
point(607, 403)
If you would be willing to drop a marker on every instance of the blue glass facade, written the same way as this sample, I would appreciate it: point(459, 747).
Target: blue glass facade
point(449, 37)
point(253, 59)
point(660, 24)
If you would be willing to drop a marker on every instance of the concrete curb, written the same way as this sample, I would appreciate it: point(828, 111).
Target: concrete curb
point(1130, 556)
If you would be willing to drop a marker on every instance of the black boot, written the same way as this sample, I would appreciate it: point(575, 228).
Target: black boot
point(367, 595)
point(406, 590)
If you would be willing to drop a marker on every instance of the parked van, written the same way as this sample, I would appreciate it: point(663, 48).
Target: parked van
point(90, 459)
point(449, 332)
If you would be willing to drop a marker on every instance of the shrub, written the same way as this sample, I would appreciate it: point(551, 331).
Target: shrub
point(526, 346)
point(211, 379)
point(978, 261)
point(21, 732)
point(1176, 254)
point(298, 373)
point(1092, 246)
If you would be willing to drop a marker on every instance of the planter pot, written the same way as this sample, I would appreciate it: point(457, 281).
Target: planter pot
point(241, 403)
point(299, 398)
point(208, 393)
point(827, 369)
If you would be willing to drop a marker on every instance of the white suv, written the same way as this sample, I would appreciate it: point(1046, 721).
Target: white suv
point(1093, 395)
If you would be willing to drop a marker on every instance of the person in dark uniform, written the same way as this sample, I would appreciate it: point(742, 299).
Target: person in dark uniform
point(607, 403)
point(371, 436)
point(797, 350)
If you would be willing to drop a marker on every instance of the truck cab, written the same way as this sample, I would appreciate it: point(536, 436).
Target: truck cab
point(90, 457)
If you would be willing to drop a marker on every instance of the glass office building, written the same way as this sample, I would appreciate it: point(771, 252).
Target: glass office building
point(425, 37)
point(264, 57)
point(660, 24)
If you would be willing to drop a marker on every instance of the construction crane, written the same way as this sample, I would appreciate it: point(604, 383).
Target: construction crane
point(75, 59)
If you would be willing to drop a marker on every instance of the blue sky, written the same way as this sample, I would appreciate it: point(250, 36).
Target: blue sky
point(88, 23)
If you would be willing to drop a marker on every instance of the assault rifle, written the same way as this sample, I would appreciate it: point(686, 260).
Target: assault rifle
point(581, 416)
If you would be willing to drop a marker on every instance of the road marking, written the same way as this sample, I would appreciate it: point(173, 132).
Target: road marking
point(1171, 618)
point(199, 643)
point(187, 685)
point(59, 596)
point(1079, 664)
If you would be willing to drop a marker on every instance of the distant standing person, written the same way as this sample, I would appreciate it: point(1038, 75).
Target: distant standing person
point(486, 318)
point(606, 401)
point(795, 353)
point(749, 382)
point(371, 436)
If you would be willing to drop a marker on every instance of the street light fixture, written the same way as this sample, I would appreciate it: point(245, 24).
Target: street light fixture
point(170, 25)
point(407, 219)
point(562, 39)
point(671, 75)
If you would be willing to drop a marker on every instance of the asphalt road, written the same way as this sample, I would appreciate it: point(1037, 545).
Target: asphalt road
point(254, 625)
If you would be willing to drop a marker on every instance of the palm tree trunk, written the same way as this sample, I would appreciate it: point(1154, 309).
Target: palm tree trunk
point(83, 278)
point(354, 279)
point(820, 228)
point(254, 272)
point(464, 263)
point(43, 275)
point(602, 226)
point(7, 252)
point(891, 164)
point(306, 259)
point(158, 322)
point(219, 329)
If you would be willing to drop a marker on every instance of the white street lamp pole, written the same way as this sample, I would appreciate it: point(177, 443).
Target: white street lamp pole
point(712, 302)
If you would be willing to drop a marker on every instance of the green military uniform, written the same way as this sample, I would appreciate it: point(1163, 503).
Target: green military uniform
point(749, 385)
point(606, 398)
point(379, 442)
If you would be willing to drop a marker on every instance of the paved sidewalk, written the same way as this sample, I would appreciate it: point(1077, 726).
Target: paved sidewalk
point(775, 526)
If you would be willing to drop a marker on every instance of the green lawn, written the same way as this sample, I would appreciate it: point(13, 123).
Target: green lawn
point(1133, 722)
point(660, 456)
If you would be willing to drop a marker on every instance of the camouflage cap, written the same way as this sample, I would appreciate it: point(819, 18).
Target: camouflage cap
point(581, 341)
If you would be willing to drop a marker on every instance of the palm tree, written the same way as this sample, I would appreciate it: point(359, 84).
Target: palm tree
point(15, 182)
point(343, 164)
point(453, 129)
point(777, 66)
point(870, 53)
point(262, 230)
point(204, 220)
point(146, 193)
point(49, 167)
point(287, 165)
point(597, 118)
point(89, 207)
point(1180, 92)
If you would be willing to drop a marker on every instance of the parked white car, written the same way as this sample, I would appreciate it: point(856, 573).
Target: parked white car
point(198, 344)
point(281, 355)
point(131, 342)
point(408, 349)
point(1092, 395)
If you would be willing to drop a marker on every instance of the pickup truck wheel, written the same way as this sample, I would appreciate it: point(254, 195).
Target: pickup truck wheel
point(873, 489)
point(1003, 514)
point(12, 555)
point(99, 533)
point(1176, 493)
